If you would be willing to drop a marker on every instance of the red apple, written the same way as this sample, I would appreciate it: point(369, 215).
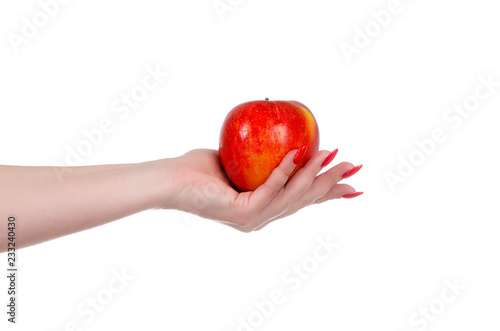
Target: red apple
point(257, 135)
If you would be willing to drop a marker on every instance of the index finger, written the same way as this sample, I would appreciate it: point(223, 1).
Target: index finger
point(263, 195)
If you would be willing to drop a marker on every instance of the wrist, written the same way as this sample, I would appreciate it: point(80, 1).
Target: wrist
point(162, 183)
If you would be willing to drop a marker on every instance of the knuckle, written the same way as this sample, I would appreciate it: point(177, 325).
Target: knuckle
point(281, 173)
point(270, 191)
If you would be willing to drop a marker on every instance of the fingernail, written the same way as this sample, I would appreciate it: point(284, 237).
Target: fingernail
point(351, 172)
point(300, 154)
point(329, 158)
point(352, 195)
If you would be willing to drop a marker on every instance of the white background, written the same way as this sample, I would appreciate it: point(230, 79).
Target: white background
point(398, 248)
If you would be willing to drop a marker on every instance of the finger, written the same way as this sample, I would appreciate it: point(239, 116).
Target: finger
point(294, 189)
point(324, 187)
point(263, 195)
point(320, 186)
point(263, 225)
point(300, 184)
point(336, 192)
point(287, 194)
point(323, 183)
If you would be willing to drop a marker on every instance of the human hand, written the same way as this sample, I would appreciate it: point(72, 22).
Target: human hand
point(202, 188)
point(88, 196)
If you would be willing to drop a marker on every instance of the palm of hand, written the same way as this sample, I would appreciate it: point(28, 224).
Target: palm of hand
point(207, 190)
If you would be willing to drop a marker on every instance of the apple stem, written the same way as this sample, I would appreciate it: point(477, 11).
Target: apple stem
point(267, 99)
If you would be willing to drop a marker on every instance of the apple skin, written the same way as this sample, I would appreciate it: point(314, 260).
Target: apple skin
point(256, 135)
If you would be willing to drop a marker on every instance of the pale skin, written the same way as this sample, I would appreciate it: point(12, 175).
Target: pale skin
point(47, 206)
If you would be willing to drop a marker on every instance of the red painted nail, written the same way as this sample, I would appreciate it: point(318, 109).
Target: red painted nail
point(351, 172)
point(300, 154)
point(352, 195)
point(329, 158)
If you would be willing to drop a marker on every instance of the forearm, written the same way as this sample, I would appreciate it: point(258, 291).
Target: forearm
point(47, 206)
